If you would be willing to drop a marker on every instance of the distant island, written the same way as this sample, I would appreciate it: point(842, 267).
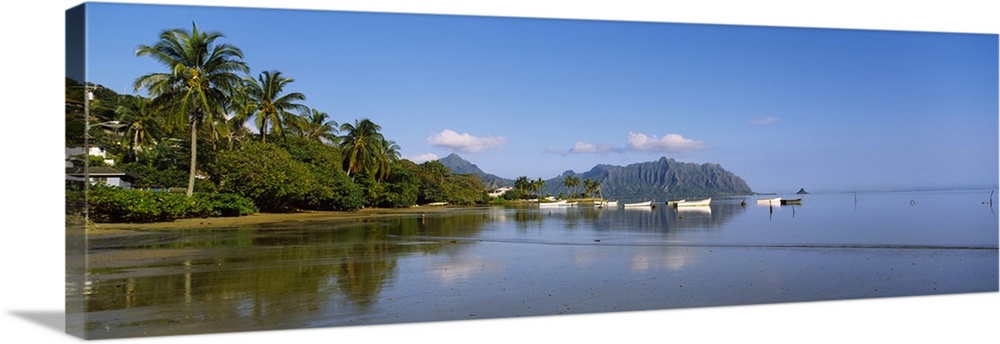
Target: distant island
point(802, 191)
point(661, 179)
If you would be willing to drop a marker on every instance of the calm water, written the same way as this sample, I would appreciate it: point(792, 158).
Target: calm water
point(489, 263)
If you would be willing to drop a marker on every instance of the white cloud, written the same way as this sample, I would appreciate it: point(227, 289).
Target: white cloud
point(422, 158)
point(581, 147)
point(668, 143)
point(765, 120)
point(464, 142)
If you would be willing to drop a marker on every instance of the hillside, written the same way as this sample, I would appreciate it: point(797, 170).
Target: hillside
point(457, 165)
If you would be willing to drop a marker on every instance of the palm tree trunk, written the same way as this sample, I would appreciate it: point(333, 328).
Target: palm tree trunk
point(263, 130)
point(135, 148)
point(194, 158)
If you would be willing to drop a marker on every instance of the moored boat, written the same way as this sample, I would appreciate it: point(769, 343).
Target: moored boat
point(769, 201)
point(792, 201)
point(698, 203)
point(552, 204)
point(639, 204)
point(606, 204)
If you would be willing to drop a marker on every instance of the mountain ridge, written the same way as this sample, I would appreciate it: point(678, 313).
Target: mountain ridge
point(458, 165)
point(659, 179)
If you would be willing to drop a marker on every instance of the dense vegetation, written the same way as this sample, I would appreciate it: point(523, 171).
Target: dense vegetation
point(110, 204)
point(193, 133)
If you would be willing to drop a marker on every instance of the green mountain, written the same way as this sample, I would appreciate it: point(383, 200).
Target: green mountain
point(457, 165)
point(662, 179)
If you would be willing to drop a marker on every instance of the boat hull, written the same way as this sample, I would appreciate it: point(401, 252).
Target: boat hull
point(699, 203)
point(769, 201)
point(552, 204)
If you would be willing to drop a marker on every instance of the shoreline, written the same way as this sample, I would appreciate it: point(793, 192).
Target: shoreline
point(264, 218)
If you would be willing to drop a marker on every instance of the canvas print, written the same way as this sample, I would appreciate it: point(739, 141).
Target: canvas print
point(245, 169)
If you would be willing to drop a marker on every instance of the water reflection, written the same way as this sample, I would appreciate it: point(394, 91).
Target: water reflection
point(301, 271)
point(665, 218)
point(528, 261)
point(669, 258)
point(200, 277)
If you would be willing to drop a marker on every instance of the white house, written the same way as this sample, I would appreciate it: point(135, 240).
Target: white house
point(500, 191)
point(72, 152)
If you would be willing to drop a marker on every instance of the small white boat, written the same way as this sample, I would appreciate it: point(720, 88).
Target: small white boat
point(552, 204)
point(674, 202)
point(699, 203)
point(639, 204)
point(769, 201)
point(611, 203)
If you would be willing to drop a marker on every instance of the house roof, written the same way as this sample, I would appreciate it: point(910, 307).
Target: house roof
point(98, 171)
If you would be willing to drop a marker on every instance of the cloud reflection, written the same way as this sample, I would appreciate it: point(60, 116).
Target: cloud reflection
point(669, 258)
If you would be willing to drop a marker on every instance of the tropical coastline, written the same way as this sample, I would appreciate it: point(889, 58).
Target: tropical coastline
point(216, 193)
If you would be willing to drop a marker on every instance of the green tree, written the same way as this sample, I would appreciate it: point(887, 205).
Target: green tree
point(402, 188)
point(537, 185)
point(232, 130)
point(465, 189)
point(388, 155)
point(334, 189)
point(142, 125)
point(360, 145)
point(266, 174)
point(432, 175)
point(571, 182)
point(315, 125)
point(268, 103)
point(523, 184)
point(321, 156)
point(591, 186)
point(201, 74)
point(149, 176)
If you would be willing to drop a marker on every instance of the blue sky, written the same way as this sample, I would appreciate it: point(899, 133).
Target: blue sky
point(784, 108)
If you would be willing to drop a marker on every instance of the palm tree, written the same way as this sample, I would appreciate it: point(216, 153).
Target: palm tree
point(315, 125)
point(388, 154)
point(200, 75)
point(231, 130)
point(360, 145)
point(142, 125)
point(523, 184)
point(591, 186)
point(267, 104)
point(571, 182)
point(537, 185)
point(234, 128)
